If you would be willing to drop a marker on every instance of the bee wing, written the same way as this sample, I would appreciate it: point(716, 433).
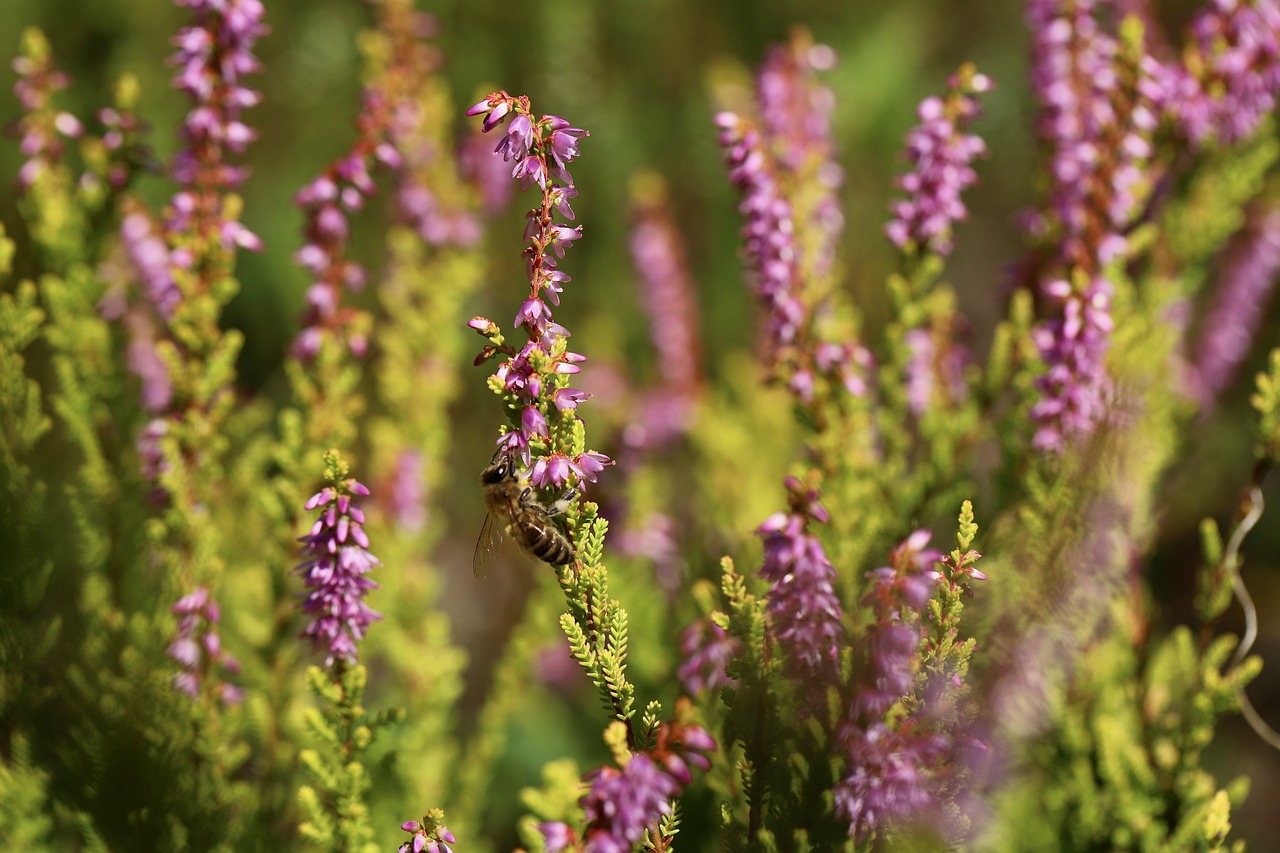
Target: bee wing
point(487, 546)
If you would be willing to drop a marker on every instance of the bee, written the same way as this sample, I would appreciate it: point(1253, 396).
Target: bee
point(514, 508)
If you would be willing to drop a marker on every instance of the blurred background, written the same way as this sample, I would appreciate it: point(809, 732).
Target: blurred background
point(640, 75)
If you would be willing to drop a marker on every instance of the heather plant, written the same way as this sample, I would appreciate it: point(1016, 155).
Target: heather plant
point(852, 578)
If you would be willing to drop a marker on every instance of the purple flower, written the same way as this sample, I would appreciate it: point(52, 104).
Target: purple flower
point(406, 500)
point(213, 56)
point(428, 835)
point(197, 649)
point(887, 778)
point(898, 595)
point(43, 130)
point(1232, 77)
point(1100, 103)
point(337, 560)
point(532, 378)
point(556, 836)
point(667, 295)
point(706, 648)
point(622, 804)
point(802, 604)
point(768, 233)
point(795, 116)
point(940, 152)
point(1247, 274)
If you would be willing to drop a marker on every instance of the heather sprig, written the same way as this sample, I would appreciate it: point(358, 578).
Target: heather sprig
point(941, 152)
point(197, 649)
point(533, 380)
point(1100, 99)
point(1229, 77)
point(1247, 273)
point(336, 562)
point(804, 612)
point(429, 834)
point(635, 800)
point(668, 298)
point(44, 130)
point(334, 812)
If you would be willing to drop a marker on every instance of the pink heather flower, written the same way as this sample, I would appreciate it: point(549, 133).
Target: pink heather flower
point(406, 499)
point(933, 375)
point(667, 296)
point(1232, 75)
point(428, 836)
point(197, 649)
point(43, 130)
point(889, 772)
point(768, 233)
point(795, 118)
point(1099, 108)
point(337, 562)
point(214, 54)
point(802, 604)
point(151, 258)
point(533, 385)
point(622, 804)
point(150, 454)
point(898, 595)
point(706, 649)
point(940, 152)
point(1247, 275)
point(887, 780)
point(144, 362)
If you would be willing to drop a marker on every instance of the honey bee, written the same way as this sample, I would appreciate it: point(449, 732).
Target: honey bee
point(514, 508)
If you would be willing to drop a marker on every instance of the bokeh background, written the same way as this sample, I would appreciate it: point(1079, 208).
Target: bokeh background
point(641, 76)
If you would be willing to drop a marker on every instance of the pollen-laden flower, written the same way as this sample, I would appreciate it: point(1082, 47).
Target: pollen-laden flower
point(197, 649)
point(1100, 101)
point(802, 605)
point(534, 378)
point(1230, 77)
point(337, 562)
point(941, 152)
point(214, 54)
point(1247, 275)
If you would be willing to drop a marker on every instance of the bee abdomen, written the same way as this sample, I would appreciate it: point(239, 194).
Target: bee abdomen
point(548, 544)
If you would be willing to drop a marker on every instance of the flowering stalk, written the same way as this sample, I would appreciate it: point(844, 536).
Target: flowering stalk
point(941, 152)
point(902, 715)
point(336, 561)
point(804, 612)
point(43, 129)
point(533, 381)
point(187, 271)
point(335, 814)
point(622, 805)
point(667, 296)
point(1247, 274)
point(1100, 99)
point(429, 835)
point(1229, 77)
point(197, 649)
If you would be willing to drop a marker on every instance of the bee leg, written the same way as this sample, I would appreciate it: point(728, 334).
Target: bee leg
point(562, 504)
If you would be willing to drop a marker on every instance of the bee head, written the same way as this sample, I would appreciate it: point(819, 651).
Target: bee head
point(496, 472)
